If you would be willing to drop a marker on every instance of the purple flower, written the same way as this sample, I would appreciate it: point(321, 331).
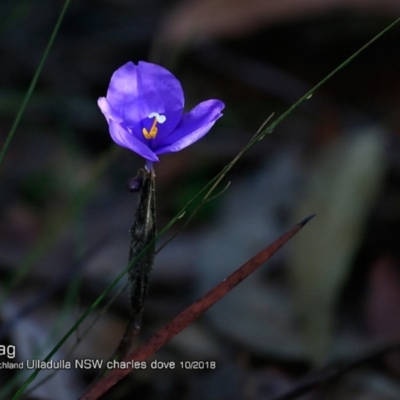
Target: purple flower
point(144, 111)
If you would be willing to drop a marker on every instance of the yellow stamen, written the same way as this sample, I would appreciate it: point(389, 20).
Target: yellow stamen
point(153, 130)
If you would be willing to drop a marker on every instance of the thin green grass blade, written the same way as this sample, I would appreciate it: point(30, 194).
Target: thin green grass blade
point(33, 83)
point(70, 300)
point(211, 184)
point(190, 314)
point(96, 303)
point(271, 127)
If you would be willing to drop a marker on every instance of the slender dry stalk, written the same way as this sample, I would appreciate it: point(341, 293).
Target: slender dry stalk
point(189, 315)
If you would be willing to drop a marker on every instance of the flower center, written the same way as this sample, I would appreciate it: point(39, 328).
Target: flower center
point(158, 119)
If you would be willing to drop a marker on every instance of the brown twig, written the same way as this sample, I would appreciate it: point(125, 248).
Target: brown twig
point(186, 317)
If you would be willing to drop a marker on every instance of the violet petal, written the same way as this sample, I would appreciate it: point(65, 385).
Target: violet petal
point(192, 127)
point(137, 91)
point(108, 111)
point(123, 138)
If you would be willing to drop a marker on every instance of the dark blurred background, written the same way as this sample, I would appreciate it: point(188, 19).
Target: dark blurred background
point(65, 211)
